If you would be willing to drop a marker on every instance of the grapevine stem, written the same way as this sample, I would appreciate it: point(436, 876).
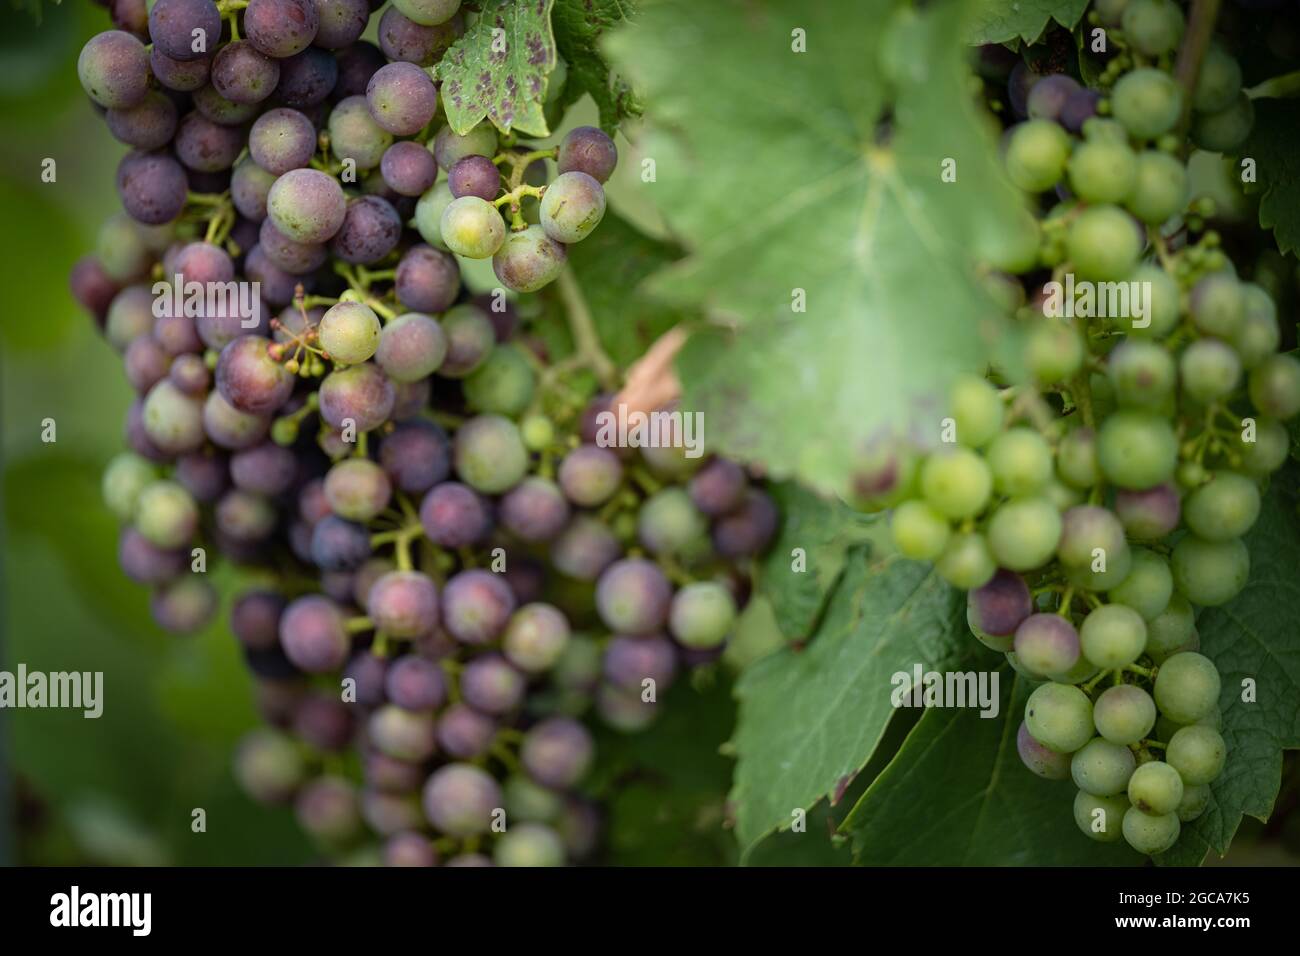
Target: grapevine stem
point(1088, 687)
point(1140, 670)
point(1196, 41)
point(581, 326)
point(1286, 85)
point(355, 625)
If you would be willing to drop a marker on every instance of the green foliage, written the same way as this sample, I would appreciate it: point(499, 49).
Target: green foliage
point(1274, 145)
point(580, 26)
point(996, 21)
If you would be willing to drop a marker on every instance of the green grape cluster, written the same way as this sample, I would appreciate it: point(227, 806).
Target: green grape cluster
point(1090, 501)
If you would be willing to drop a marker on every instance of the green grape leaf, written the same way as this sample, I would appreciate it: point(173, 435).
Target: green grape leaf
point(817, 533)
point(810, 718)
point(1000, 21)
point(498, 70)
point(580, 26)
point(1256, 638)
point(1274, 145)
point(833, 245)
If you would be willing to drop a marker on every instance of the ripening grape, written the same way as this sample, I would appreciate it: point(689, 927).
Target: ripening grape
point(1059, 717)
point(1151, 514)
point(492, 685)
point(1046, 763)
point(1112, 636)
point(454, 515)
point(464, 732)
point(589, 150)
point(1024, 532)
point(1103, 244)
point(242, 74)
point(1100, 817)
point(557, 752)
point(401, 98)
point(1198, 754)
point(1047, 644)
point(269, 765)
point(573, 205)
point(349, 332)
point(535, 637)
point(1142, 372)
point(1092, 547)
point(403, 604)
point(1124, 714)
point(1102, 768)
point(428, 280)
point(114, 69)
point(489, 454)
point(476, 606)
point(919, 532)
point(1187, 687)
point(956, 482)
point(408, 168)
point(669, 523)
point(967, 562)
point(313, 635)
point(584, 549)
point(448, 146)
point(1155, 788)
point(411, 347)
point(1149, 585)
point(1210, 573)
point(527, 260)
point(633, 596)
point(1000, 605)
point(702, 615)
point(1037, 152)
point(281, 28)
point(307, 205)
point(360, 395)
point(401, 734)
point(504, 384)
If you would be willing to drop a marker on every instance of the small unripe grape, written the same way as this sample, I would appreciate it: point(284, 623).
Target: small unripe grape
point(1155, 788)
point(1153, 27)
point(1021, 462)
point(1159, 188)
point(702, 615)
point(349, 332)
point(1187, 687)
point(1227, 129)
point(472, 227)
point(1151, 514)
point(1047, 644)
point(1142, 372)
point(1258, 335)
point(1198, 754)
point(1103, 171)
point(1149, 585)
point(1059, 717)
point(166, 515)
point(1275, 387)
point(1172, 631)
point(1217, 304)
point(1223, 508)
point(1218, 82)
point(967, 562)
point(1047, 764)
point(1092, 538)
point(956, 482)
point(1103, 244)
point(1269, 450)
point(1100, 817)
point(1124, 714)
point(1037, 151)
point(919, 532)
point(1113, 635)
point(1102, 768)
point(529, 259)
point(1024, 532)
point(999, 606)
point(1210, 573)
point(1137, 450)
point(1150, 834)
point(1162, 302)
point(1195, 799)
point(1076, 459)
point(1210, 370)
point(1147, 102)
point(977, 411)
point(1053, 352)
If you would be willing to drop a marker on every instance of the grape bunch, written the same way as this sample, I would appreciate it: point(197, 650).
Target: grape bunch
point(1090, 503)
point(445, 571)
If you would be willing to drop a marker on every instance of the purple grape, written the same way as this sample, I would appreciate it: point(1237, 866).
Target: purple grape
point(325, 722)
point(341, 22)
point(408, 168)
point(360, 394)
point(356, 65)
point(250, 379)
point(307, 78)
point(265, 469)
point(630, 660)
point(337, 585)
point(411, 347)
point(402, 734)
point(501, 312)
point(172, 420)
point(228, 318)
point(183, 76)
point(428, 280)
point(277, 286)
point(585, 549)
point(528, 260)
point(455, 516)
point(255, 619)
point(403, 39)
point(465, 733)
point(1046, 763)
point(130, 315)
point(403, 604)
point(357, 489)
point(371, 229)
point(587, 149)
point(476, 605)
point(590, 475)
point(203, 474)
point(1048, 97)
point(172, 26)
point(307, 205)
point(633, 596)
point(1080, 106)
point(368, 673)
point(401, 97)
point(557, 752)
point(1047, 644)
point(146, 563)
point(281, 28)
point(207, 146)
point(412, 398)
point(338, 545)
point(183, 606)
point(1019, 84)
point(1149, 515)
point(147, 125)
point(536, 637)
point(749, 529)
point(391, 813)
point(245, 517)
point(718, 487)
point(354, 134)
point(272, 664)
point(92, 287)
point(999, 607)
point(313, 634)
point(282, 139)
point(268, 766)
point(203, 262)
point(294, 258)
point(131, 16)
point(414, 683)
point(327, 808)
point(145, 363)
point(475, 176)
point(470, 338)
point(243, 75)
point(534, 510)
point(390, 775)
point(228, 427)
point(250, 184)
point(408, 848)
point(220, 110)
point(114, 70)
point(460, 800)
point(152, 187)
point(416, 456)
point(491, 685)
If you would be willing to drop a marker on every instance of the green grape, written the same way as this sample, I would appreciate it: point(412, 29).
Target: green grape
point(1062, 496)
point(1198, 754)
point(977, 411)
point(1020, 460)
point(1218, 82)
point(1155, 788)
point(1124, 714)
point(1195, 800)
point(1142, 372)
point(1112, 636)
point(919, 532)
point(1059, 717)
point(1226, 129)
point(1148, 587)
point(1037, 151)
point(428, 213)
point(503, 384)
point(1023, 533)
point(1187, 687)
point(1210, 371)
point(1258, 335)
point(1082, 671)
point(125, 477)
point(472, 227)
point(1166, 728)
point(349, 332)
point(956, 482)
point(1103, 170)
point(1217, 304)
point(1053, 352)
point(1223, 508)
point(1210, 573)
point(1172, 631)
point(1162, 300)
point(1269, 450)
point(993, 642)
point(967, 562)
point(1153, 27)
point(1038, 759)
point(1076, 459)
point(1093, 550)
point(1137, 450)
point(1159, 188)
point(1018, 666)
point(1147, 102)
point(166, 515)
point(1100, 817)
point(1275, 386)
point(1150, 834)
point(1103, 243)
point(1102, 768)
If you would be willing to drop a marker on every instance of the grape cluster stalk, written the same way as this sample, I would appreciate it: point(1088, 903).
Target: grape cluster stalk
point(1091, 506)
point(449, 573)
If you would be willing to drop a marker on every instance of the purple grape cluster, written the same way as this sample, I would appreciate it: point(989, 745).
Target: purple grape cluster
point(453, 576)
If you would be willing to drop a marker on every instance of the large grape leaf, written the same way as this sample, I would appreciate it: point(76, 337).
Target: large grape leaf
point(1255, 637)
point(810, 719)
point(498, 70)
point(580, 26)
point(956, 794)
point(1274, 145)
point(999, 21)
point(825, 183)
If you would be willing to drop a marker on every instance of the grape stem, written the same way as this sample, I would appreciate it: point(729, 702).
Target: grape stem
point(1285, 86)
point(582, 327)
point(355, 625)
point(1140, 670)
point(1196, 41)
